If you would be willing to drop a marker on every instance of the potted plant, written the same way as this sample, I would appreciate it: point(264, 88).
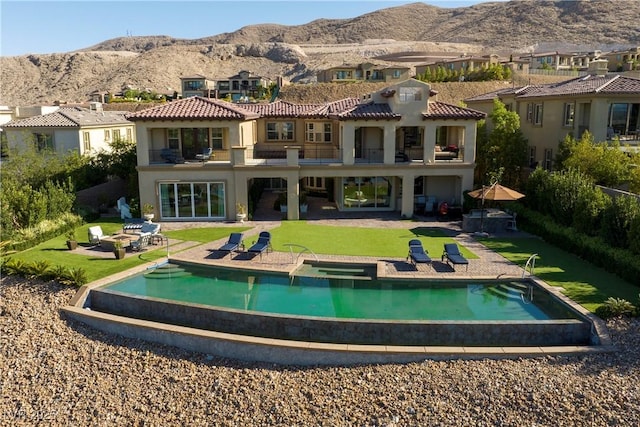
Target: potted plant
point(241, 212)
point(118, 250)
point(72, 242)
point(147, 211)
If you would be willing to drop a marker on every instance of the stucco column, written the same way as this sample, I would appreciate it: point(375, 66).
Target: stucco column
point(293, 201)
point(469, 143)
point(597, 126)
point(389, 143)
point(348, 144)
point(407, 196)
point(238, 155)
point(429, 143)
point(292, 155)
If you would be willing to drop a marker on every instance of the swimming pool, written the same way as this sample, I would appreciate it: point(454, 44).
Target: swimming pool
point(399, 312)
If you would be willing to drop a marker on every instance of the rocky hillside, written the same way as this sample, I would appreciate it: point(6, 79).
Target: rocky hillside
point(298, 53)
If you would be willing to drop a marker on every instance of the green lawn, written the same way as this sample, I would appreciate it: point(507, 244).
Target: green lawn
point(375, 242)
point(583, 282)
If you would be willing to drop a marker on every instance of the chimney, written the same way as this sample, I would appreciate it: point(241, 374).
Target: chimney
point(598, 67)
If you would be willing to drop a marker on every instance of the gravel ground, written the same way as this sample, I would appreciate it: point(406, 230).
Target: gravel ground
point(59, 372)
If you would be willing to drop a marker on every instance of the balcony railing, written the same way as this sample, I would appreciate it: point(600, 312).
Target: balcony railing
point(175, 156)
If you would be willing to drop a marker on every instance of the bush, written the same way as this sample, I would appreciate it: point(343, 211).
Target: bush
point(43, 270)
point(615, 307)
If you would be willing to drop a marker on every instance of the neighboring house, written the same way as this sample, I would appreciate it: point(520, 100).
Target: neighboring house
point(198, 85)
point(243, 85)
point(623, 60)
point(606, 105)
point(378, 153)
point(559, 60)
point(366, 71)
point(239, 87)
point(84, 130)
point(470, 63)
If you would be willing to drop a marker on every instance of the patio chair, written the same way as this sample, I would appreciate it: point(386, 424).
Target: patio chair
point(511, 224)
point(262, 245)
point(206, 154)
point(95, 234)
point(169, 156)
point(452, 255)
point(417, 254)
point(234, 242)
point(143, 241)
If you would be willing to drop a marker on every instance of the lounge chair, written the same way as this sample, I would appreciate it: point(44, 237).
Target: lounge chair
point(417, 254)
point(262, 245)
point(234, 242)
point(452, 255)
point(206, 154)
point(169, 156)
point(143, 241)
point(95, 234)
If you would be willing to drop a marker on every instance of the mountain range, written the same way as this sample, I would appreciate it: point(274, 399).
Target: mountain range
point(407, 35)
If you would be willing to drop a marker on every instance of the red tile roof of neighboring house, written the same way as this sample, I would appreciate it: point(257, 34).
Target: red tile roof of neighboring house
point(73, 117)
point(195, 108)
point(589, 84)
point(442, 110)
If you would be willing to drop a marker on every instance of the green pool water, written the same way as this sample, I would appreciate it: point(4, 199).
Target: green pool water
point(343, 298)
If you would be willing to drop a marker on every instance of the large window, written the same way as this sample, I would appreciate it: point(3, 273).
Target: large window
point(217, 139)
point(533, 163)
point(569, 113)
point(410, 94)
point(318, 132)
point(548, 159)
point(43, 141)
point(193, 84)
point(537, 114)
point(173, 137)
point(192, 200)
point(116, 135)
point(86, 140)
point(366, 192)
point(280, 131)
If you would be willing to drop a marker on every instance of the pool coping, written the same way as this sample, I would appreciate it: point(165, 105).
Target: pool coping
point(289, 352)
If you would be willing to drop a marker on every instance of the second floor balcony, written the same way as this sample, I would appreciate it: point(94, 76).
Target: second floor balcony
point(310, 155)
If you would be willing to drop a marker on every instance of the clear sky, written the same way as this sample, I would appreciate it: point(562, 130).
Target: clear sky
point(63, 26)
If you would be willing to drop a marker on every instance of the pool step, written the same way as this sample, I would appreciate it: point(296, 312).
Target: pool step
point(167, 271)
point(512, 290)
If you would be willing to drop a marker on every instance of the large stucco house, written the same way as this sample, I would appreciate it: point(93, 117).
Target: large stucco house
point(378, 153)
point(607, 105)
point(85, 130)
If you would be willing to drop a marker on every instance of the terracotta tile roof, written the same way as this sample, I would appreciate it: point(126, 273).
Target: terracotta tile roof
point(491, 95)
point(74, 117)
point(442, 110)
point(590, 84)
point(344, 109)
point(195, 108)
point(368, 111)
point(281, 109)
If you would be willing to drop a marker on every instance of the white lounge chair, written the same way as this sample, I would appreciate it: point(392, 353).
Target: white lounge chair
point(95, 234)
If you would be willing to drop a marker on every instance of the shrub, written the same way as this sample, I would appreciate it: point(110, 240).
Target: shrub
point(13, 266)
point(615, 307)
point(39, 269)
